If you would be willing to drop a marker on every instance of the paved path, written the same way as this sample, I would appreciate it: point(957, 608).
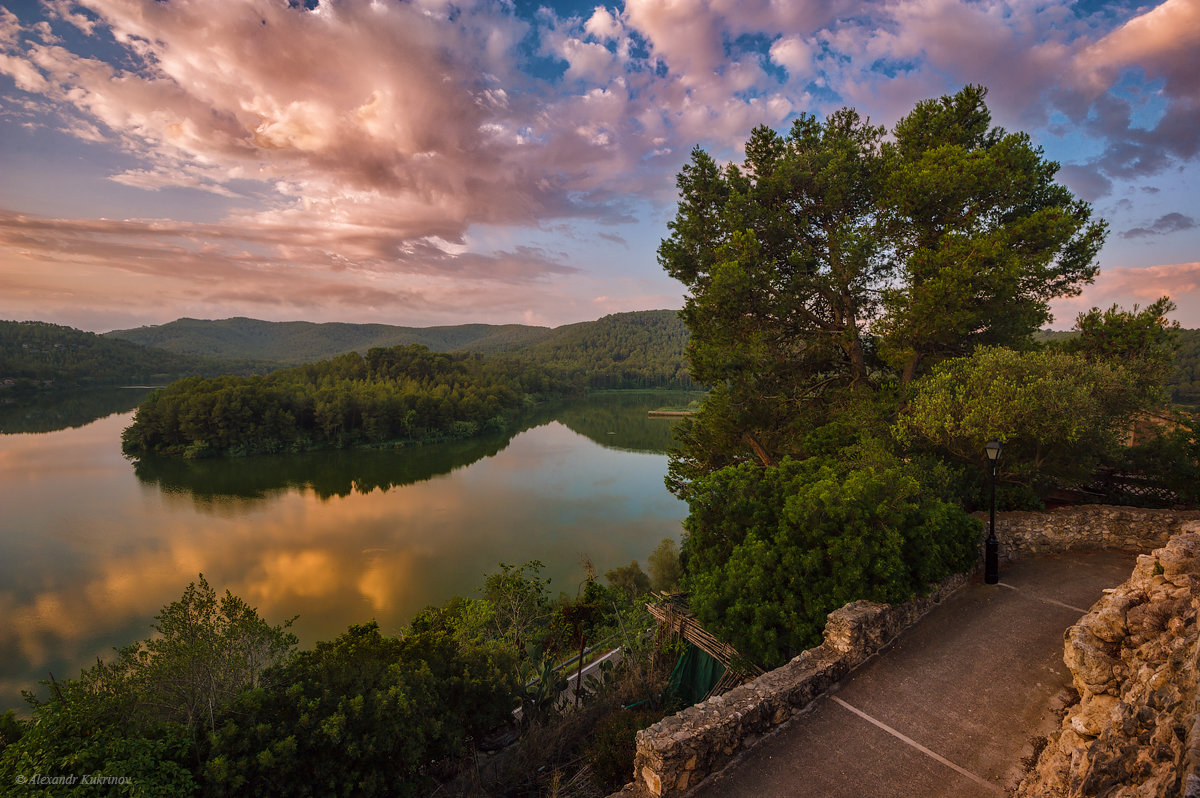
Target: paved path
point(951, 708)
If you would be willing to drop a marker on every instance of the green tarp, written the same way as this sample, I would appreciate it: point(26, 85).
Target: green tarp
point(694, 675)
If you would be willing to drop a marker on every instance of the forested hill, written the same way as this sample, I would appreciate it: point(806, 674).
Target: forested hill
point(1184, 383)
point(298, 342)
point(42, 355)
point(623, 350)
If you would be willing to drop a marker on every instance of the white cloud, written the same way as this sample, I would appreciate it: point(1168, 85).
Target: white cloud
point(793, 54)
point(602, 24)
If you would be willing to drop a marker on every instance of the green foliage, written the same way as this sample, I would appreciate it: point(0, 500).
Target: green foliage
point(215, 704)
point(206, 651)
point(776, 256)
point(624, 350)
point(1141, 342)
point(665, 569)
point(643, 349)
point(613, 745)
point(520, 601)
point(539, 696)
point(87, 732)
point(1184, 382)
point(146, 714)
point(404, 393)
point(981, 235)
point(364, 715)
point(1057, 414)
point(629, 579)
point(11, 729)
point(297, 342)
point(1168, 460)
point(832, 263)
point(771, 551)
point(37, 355)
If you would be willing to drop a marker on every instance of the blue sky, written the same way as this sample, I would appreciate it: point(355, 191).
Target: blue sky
point(430, 162)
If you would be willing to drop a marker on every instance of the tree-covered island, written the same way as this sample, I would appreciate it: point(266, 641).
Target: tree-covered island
point(405, 393)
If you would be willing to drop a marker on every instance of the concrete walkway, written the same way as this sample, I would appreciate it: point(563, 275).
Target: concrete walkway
point(951, 708)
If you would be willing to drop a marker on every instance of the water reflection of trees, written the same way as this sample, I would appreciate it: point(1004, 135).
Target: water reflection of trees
point(327, 473)
point(47, 411)
point(615, 420)
point(620, 420)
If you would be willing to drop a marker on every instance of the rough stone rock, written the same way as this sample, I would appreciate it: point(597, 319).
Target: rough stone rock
point(1092, 661)
point(1093, 714)
point(1136, 730)
point(1108, 624)
point(1022, 534)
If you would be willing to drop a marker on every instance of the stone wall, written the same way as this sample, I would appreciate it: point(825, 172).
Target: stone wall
point(678, 752)
point(1086, 527)
point(1133, 659)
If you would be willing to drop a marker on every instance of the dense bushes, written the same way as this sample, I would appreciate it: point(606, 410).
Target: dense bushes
point(1058, 413)
point(364, 714)
point(771, 551)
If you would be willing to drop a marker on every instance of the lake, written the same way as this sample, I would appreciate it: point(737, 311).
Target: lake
point(93, 545)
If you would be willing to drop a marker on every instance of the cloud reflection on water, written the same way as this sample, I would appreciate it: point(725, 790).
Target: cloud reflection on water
point(90, 551)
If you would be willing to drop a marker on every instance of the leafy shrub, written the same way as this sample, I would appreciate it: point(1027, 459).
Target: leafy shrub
point(665, 570)
point(363, 715)
point(771, 551)
point(613, 746)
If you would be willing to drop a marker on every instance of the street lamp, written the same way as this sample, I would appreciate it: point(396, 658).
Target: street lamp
point(991, 557)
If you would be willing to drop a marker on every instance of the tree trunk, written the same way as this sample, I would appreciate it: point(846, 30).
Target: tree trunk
point(910, 368)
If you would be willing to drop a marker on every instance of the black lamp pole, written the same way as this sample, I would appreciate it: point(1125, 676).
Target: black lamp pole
point(991, 556)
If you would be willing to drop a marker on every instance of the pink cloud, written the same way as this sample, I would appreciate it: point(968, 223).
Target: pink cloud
point(369, 138)
point(280, 272)
point(1160, 44)
point(1128, 286)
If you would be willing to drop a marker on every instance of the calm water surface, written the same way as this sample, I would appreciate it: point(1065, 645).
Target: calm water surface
point(92, 545)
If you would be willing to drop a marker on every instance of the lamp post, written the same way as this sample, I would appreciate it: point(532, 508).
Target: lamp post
point(991, 557)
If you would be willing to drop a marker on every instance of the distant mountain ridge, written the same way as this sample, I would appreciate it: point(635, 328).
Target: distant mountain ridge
point(297, 342)
point(644, 348)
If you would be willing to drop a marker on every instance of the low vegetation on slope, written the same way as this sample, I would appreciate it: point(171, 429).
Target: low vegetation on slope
point(641, 349)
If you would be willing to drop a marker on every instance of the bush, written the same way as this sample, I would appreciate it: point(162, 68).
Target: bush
point(613, 746)
point(771, 551)
point(363, 715)
point(665, 570)
point(1169, 460)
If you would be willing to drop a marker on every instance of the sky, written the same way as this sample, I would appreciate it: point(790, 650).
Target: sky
point(425, 162)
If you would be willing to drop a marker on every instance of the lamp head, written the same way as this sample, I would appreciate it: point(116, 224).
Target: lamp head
point(992, 449)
